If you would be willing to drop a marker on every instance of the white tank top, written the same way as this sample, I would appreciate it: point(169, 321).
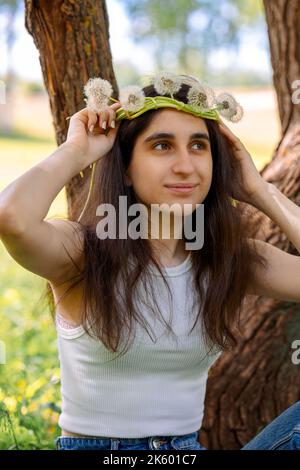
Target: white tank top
point(156, 388)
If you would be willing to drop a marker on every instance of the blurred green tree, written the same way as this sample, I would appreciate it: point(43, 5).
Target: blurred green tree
point(187, 31)
point(9, 8)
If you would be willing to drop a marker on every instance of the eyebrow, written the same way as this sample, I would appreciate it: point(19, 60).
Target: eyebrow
point(168, 135)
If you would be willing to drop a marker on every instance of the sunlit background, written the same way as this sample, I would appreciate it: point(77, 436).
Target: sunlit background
point(223, 42)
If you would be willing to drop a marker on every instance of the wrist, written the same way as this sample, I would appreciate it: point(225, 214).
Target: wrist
point(76, 153)
point(263, 196)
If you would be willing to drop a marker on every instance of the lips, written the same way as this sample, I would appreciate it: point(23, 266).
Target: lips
point(181, 188)
point(181, 185)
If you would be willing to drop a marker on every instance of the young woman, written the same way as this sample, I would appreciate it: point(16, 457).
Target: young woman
point(120, 291)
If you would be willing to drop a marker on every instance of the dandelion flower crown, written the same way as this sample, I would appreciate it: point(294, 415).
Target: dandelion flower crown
point(201, 98)
point(202, 101)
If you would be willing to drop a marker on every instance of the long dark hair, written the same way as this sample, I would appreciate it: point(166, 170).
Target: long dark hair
point(226, 260)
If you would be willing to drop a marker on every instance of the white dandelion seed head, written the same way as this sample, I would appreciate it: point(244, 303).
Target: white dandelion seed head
point(238, 114)
point(227, 105)
point(132, 98)
point(201, 96)
point(190, 80)
point(97, 91)
point(166, 83)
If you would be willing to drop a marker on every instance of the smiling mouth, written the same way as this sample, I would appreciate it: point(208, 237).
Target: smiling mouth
point(181, 188)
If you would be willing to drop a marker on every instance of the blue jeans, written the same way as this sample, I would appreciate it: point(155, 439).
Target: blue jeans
point(183, 442)
point(283, 433)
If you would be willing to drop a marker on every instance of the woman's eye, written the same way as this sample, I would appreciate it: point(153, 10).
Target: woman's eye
point(160, 143)
point(202, 146)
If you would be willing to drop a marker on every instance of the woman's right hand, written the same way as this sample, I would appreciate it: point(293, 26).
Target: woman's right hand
point(92, 143)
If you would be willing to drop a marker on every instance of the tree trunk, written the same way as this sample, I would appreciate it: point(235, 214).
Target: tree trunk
point(255, 383)
point(73, 41)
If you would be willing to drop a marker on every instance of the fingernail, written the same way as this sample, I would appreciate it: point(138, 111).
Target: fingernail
point(112, 124)
point(91, 128)
point(104, 125)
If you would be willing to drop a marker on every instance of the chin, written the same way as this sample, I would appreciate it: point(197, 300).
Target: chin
point(178, 208)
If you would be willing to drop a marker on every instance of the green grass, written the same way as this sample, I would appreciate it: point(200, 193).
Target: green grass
point(29, 380)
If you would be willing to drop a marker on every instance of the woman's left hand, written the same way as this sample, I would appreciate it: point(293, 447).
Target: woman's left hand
point(253, 183)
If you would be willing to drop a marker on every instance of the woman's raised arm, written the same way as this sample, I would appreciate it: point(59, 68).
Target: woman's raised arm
point(43, 246)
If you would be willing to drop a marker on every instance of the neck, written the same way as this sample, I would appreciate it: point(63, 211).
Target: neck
point(165, 237)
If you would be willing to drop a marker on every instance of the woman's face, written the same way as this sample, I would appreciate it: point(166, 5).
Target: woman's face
point(182, 155)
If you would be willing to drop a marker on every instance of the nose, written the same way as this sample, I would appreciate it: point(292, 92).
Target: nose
point(183, 162)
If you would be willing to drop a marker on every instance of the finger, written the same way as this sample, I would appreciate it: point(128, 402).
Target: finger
point(111, 122)
point(110, 114)
point(103, 116)
point(235, 143)
point(111, 131)
point(82, 114)
point(225, 129)
point(92, 119)
point(223, 126)
point(232, 138)
point(115, 106)
point(228, 132)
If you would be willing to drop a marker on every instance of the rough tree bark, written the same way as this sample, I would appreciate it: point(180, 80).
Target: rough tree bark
point(73, 42)
point(252, 385)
